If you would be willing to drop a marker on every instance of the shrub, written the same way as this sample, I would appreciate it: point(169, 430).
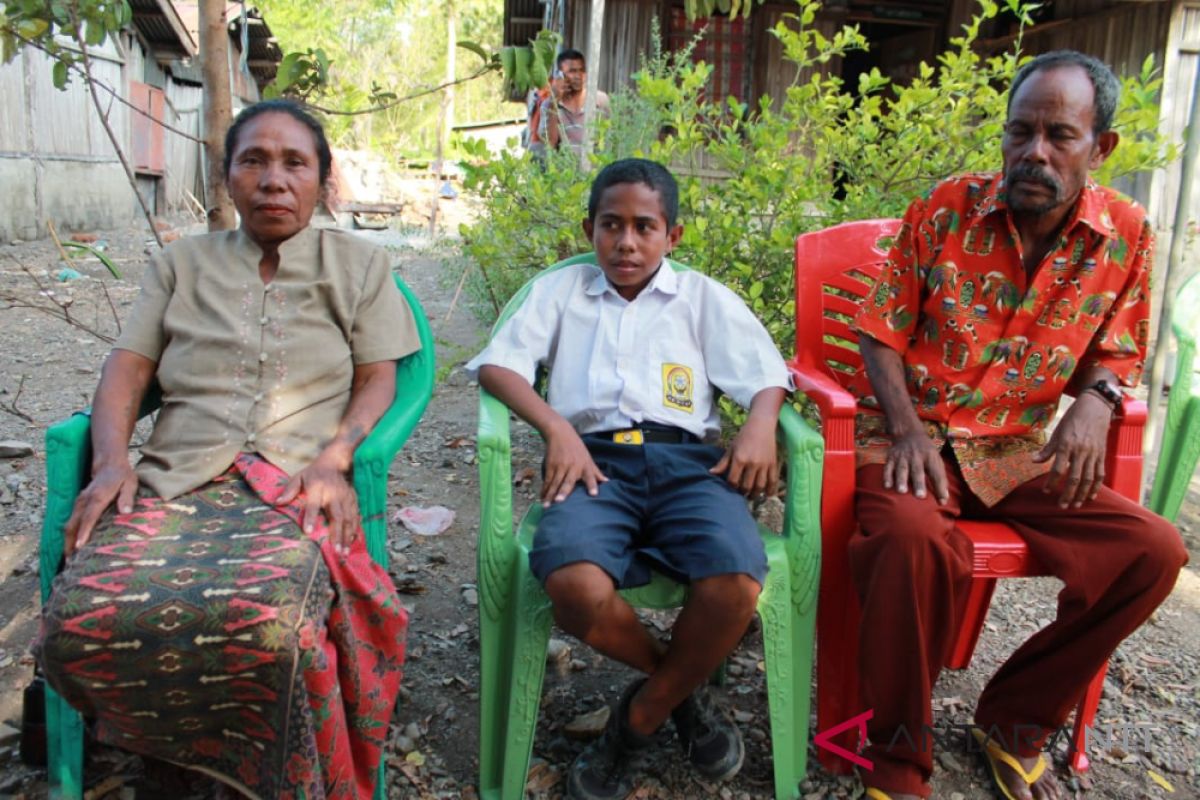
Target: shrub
point(751, 180)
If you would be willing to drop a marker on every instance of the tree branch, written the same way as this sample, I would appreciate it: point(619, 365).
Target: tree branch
point(112, 137)
point(11, 406)
point(405, 99)
point(111, 91)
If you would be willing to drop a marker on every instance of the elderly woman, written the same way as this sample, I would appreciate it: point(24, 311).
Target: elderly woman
point(225, 614)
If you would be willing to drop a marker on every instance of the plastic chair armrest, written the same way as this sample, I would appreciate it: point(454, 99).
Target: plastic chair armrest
point(494, 446)
point(1123, 459)
point(68, 464)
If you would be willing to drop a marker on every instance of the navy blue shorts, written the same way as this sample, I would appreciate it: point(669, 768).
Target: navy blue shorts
point(660, 510)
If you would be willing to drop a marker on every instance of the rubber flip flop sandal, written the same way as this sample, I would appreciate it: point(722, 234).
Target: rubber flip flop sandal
point(992, 752)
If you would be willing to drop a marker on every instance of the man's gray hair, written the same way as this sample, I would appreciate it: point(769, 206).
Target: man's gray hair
point(1107, 89)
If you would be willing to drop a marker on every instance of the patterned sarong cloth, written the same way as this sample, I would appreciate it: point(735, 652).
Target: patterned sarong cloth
point(210, 631)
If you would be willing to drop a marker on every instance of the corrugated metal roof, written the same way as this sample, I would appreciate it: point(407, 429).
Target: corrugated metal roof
point(161, 26)
point(264, 52)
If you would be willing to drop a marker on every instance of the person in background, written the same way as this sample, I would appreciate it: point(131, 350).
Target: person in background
point(563, 116)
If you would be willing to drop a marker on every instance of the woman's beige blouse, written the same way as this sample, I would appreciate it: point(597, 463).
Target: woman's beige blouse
point(245, 366)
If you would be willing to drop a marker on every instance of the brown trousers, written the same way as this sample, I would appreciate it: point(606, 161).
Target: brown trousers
point(912, 568)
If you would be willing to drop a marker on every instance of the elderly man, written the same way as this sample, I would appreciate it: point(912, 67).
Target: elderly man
point(1002, 292)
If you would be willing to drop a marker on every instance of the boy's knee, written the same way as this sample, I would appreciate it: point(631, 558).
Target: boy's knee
point(735, 595)
point(579, 593)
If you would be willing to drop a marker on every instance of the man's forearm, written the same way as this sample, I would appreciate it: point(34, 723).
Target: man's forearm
point(885, 371)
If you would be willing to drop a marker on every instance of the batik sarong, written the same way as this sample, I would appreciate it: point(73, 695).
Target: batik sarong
point(211, 632)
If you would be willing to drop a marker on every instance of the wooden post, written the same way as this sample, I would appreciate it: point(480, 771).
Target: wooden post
point(218, 110)
point(595, 37)
point(1162, 344)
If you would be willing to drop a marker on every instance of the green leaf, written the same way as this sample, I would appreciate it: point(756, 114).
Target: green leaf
point(60, 76)
point(94, 33)
point(32, 28)
point(475, 48)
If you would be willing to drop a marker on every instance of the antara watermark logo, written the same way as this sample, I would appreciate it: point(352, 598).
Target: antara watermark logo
point(1100, 738)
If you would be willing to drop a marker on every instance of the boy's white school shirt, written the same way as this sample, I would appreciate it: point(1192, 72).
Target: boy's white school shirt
point(659, 358)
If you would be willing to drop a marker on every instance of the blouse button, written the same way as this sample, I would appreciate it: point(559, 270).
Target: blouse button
point(251, 438)
point(263, 320)
point(262, 356)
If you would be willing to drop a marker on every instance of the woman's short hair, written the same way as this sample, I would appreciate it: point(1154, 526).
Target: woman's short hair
point(292, 109)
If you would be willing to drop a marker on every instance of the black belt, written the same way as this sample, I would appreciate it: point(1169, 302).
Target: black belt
point(646, 434)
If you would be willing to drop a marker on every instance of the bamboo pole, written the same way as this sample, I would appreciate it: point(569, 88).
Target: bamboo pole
point(1178, 240)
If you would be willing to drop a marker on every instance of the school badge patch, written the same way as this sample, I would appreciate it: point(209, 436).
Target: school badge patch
point(677, 387)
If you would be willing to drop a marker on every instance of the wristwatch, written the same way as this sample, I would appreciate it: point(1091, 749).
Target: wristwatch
point(1105, 389)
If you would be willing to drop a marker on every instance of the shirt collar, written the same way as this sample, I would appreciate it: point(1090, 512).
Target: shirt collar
point(298, 246)
point(1091, 208)
point(665, 281)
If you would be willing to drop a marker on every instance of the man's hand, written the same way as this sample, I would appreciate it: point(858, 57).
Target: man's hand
point(567, 463)
point(116, 481)
point(1077, 446)
point(325, 489)
point(912, 458)
point(750, 464)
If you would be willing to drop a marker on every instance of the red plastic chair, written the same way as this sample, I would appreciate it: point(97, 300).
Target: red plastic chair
point(836, 268)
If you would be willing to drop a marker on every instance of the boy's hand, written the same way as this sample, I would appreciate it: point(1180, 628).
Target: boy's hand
point(750, 460)
point(567, 463)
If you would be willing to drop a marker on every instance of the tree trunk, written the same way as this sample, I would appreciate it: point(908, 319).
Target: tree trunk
point(218, 111)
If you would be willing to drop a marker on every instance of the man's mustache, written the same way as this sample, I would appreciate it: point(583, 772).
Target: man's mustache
point(1033, 174)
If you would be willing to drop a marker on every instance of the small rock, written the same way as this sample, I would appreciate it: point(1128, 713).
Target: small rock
point(557, 650)
point(9, 734)
point(413, 731)
point(742, 716)
point(405, 744)
point(949, 762)
point(578, 665)
point(11, 448)
point(471, 597)
point(589, 725)
point(957, 796)
point(7, 495)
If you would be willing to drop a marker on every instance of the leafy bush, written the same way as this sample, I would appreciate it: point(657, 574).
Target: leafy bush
point(751, 180)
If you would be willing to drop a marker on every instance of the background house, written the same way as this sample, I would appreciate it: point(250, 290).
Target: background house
point(748, 61)
point(57, 163)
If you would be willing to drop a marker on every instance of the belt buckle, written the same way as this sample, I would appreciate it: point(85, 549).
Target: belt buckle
point(631, 436)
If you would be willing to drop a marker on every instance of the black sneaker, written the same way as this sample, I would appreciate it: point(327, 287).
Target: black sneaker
point(710, 738)
point(603, 771)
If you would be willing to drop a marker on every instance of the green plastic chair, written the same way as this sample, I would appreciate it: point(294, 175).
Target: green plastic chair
point(515, 614)
point(1181, 434)
point(68, 464)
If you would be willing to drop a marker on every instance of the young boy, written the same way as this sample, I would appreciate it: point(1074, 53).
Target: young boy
point(636, 349)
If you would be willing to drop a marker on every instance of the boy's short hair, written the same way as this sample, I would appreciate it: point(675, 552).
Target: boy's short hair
point(638, 170)
point(570, 55)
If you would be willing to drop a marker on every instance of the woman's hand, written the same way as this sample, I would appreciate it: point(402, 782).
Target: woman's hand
point(116, 481)
point(326, 489)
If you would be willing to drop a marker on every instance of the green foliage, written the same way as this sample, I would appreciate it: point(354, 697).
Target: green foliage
point(377, 52)
point(752, 179)
point(40, 23)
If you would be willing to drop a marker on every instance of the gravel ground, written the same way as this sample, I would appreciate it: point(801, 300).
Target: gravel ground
point(1153, 689)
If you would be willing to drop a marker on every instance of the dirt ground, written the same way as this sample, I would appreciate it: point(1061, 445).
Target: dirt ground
point(49, 368)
